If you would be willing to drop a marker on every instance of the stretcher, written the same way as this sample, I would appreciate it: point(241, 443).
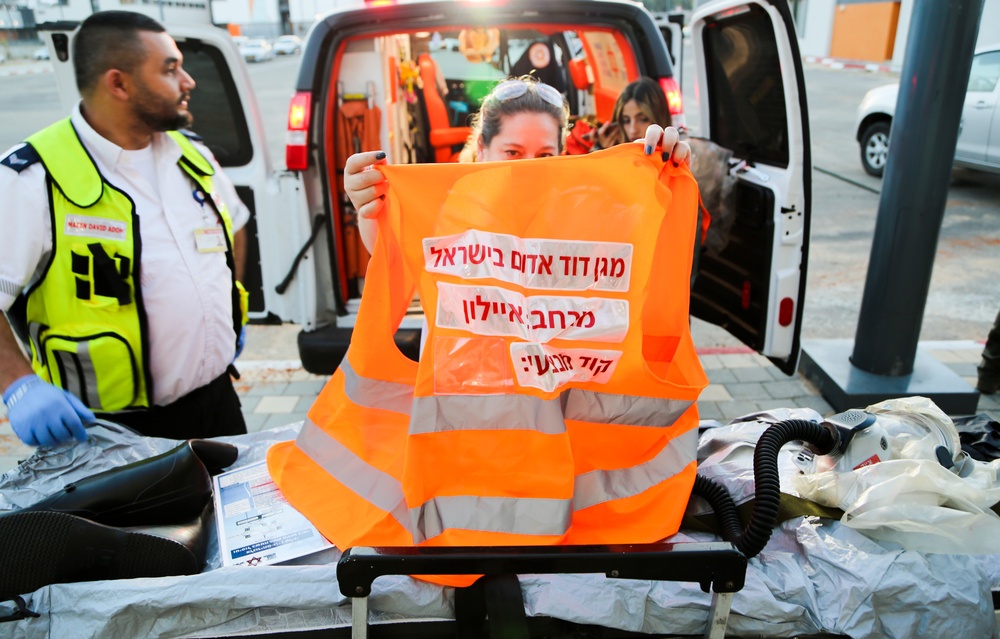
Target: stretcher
point(815, 577)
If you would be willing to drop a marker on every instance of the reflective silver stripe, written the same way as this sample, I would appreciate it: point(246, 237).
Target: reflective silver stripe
point(10, 288)
point(34, 334)
point(486, 412)
point(491, 514)
point(599, 486)
point(89, 376)
point(626, 410)
point(371, 484)
point(70, 374)
point(376, 393)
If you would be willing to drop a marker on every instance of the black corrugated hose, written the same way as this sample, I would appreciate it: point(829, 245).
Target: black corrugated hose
point(766, 484)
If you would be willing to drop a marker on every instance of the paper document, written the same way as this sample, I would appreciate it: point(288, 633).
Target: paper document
point(257, 526)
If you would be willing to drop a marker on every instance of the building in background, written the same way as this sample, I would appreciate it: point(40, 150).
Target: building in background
point(870, 30)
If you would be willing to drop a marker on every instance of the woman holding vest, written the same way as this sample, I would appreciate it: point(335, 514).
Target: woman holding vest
point(520, 119)
point(554, 402)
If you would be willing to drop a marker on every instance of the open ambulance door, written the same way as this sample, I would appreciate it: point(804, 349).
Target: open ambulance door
point(226, 116)
point(671, 26)
point(753, 103)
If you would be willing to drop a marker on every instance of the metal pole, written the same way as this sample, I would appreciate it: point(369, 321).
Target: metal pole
point(932, 89)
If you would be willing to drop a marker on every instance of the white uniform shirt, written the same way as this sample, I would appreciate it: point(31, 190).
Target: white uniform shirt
point(187, 295)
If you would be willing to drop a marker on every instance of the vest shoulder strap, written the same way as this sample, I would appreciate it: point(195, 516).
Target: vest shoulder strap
point(191, 155)
point(68, 163)
point(21, 157)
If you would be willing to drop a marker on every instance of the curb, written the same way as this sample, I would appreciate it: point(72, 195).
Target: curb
point(838, 63)
point(25, 70)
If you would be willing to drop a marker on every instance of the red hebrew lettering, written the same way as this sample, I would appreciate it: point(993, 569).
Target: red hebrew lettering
point(529, 262)
point(465, 308)
point(538, 365)
point(588, 316)
point(436, 252)
point(517, 261)
point(585, 261)
point(516, 312)
point(552, 319)
point(485, 306)
point(586, 361)
point(449, 255)
point(478, 253)
point(576, 317)
point(617, 267)
point(541, 320)
point(566, 260)
point(605, 363)
point(498, 261)
point(600, 267)
point(567, 361)
point(545, 264)
point(465, 257)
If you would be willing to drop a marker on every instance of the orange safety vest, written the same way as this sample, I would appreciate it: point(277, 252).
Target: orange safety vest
point(554, 402)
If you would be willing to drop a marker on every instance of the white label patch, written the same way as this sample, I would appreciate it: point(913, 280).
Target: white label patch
point(491, 310)
point(547, 368)
point(86, 226)
point(531, 262)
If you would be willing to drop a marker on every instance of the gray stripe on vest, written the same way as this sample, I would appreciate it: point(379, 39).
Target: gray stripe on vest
point(375, 393)
point(491, 514)
point(599, 486)
point(371, 484)
point(10, 288)
point(625, 410)
point(34, 334)
point(486, 412)
point(89, 376)
point(70, 375)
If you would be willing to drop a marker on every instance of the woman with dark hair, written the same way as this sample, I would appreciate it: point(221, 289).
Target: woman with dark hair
point(641, 104)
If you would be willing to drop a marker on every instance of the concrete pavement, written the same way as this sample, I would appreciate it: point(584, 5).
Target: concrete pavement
point(275, 392)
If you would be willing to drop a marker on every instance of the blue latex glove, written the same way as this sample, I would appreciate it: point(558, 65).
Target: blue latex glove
point(240, 342)
point(44, 415)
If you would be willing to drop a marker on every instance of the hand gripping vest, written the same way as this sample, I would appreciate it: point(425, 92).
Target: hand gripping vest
point(85, 318)
point(554, 402)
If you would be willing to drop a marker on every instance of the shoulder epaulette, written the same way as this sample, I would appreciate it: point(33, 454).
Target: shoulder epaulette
point(21, 157)
point(191, 135)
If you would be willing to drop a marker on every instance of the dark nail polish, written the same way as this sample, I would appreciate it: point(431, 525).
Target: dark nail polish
point(666, 156)
point(380, 155)
point(677, 165)
point(649, 149)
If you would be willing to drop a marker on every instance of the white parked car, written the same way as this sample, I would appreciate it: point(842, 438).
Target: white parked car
point(288, 45)
point(41, 53)
point(257, 50)
point(979, 132)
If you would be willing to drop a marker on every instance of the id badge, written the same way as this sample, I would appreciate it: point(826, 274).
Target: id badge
point(210, 240)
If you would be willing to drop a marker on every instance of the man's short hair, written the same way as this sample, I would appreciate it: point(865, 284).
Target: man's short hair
point(109, 40)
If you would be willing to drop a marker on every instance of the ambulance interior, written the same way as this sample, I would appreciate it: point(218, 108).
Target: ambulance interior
point(413, 95)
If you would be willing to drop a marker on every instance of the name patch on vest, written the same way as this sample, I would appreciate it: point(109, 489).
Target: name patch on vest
point(548, 368)
point(531, 262)
point(491, 310)
point(86, 226)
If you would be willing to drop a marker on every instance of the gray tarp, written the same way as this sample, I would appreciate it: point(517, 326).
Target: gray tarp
point(814, 576)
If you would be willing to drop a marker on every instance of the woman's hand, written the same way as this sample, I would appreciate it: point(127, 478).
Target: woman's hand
point(364, 185)
point(668, 140)
point(366, 188)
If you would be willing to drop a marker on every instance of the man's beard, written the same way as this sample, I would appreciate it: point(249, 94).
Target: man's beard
point(158, 115)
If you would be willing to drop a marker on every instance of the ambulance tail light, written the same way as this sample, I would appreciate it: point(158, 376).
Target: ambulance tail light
point(379, 3)
point(297, 136)
point(673, 92)
point(675, 104)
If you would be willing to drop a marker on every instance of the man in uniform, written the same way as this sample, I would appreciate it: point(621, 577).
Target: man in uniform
point(122, 254)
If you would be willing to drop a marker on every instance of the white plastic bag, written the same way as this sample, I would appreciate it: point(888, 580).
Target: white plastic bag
point(911, 499)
